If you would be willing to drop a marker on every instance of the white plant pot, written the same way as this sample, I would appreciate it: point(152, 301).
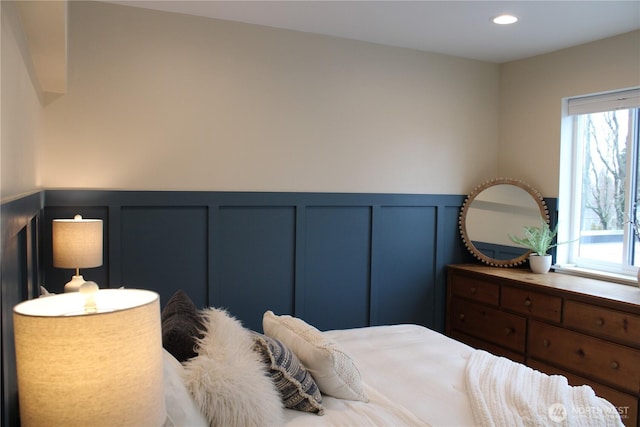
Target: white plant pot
point(540, 264)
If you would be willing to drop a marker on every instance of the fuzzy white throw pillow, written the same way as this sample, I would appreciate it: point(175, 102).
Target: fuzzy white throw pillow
point(227, 379)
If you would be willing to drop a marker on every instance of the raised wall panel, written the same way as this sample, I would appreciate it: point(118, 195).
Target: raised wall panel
point(405, 257)
point(13, 285)
point(20, 276)
point(449, 247)
point(254, 263)
point(337, 267)
point(165, 249)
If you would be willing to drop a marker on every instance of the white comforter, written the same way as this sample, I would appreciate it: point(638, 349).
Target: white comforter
point(379, 411)
point(414, 376)
point(418, 377)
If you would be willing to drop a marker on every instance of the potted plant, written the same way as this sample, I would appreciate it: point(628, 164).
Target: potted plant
point(539, 240)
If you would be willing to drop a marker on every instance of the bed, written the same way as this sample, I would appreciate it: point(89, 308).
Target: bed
point(396, 375)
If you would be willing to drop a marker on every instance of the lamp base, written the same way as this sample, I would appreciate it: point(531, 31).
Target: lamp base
point(74, 284)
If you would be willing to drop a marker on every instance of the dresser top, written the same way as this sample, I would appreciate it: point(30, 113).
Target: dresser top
point(576, 285)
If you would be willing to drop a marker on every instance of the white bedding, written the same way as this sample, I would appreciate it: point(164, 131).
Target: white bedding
point(413, 377)
point(379, 411)
point(417, 378)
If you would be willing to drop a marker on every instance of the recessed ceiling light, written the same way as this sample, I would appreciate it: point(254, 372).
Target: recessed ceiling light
point(504, 19)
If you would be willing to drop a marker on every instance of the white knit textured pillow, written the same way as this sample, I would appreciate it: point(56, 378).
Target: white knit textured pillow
point(334, 370)
point(228, 380)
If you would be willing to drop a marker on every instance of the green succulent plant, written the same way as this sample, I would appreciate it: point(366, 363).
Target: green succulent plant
point(538, 239)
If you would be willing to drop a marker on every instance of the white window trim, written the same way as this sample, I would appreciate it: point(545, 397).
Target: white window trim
point(570, 186)
point(624, 279)
point(605, 101)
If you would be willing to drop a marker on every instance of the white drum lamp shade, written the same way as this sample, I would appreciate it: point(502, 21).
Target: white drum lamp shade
point(77, 243)
point(90, 369)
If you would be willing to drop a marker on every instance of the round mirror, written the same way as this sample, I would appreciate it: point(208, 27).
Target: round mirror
point(495, 210)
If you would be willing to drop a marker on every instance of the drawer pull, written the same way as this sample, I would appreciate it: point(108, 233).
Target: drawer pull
point(508, 331)
point(614, 365)
point(600, 322)
point(527, 302)
point(473, 291)
point(461, 316)
point(546, 343)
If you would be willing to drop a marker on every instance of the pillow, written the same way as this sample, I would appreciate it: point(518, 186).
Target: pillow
point(333, 370)
point(297, 388)
point(181, 326)
point(181, 409)
point(228, 380)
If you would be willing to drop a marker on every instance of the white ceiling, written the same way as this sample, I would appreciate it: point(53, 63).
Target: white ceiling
point(459, 28)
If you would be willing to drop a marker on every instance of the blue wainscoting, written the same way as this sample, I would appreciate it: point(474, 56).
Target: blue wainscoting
point(20, 276)
point(336, 260)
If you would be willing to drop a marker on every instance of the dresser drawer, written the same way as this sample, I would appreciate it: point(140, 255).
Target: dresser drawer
point(504, 329)
point(534, 304)
point(608, 362)
point(611, 324)
point(475, 289)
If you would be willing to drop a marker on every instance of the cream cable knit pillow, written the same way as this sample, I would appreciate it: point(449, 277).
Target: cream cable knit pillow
point(334, 371)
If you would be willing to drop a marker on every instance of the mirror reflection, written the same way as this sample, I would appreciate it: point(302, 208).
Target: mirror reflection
point(494, 210)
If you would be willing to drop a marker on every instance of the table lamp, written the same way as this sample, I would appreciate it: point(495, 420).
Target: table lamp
point(90, 359)
point(77, 243)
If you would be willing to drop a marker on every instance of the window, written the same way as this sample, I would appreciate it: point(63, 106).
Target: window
point(599, 198)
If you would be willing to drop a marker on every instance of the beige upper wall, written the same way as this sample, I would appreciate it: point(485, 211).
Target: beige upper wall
point(163, 101)
point(44, 23)
point(531, 92)
point(20, 110)
point(188, 103)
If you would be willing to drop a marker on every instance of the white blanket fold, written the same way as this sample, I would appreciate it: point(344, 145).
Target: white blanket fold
point(379, 411)
point(506, 393)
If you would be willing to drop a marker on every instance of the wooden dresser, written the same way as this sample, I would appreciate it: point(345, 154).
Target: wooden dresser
point(585, 329)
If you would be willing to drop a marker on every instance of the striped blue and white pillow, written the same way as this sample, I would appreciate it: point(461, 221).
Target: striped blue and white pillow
point(297, 387)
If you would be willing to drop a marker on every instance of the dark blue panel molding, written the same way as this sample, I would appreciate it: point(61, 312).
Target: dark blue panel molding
point(20, 276)
point(337, 266)
point(165, 249)
point(404, 285)
point(449, 246)
point(222, 198)
point(336, 259)
point(254, 266)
